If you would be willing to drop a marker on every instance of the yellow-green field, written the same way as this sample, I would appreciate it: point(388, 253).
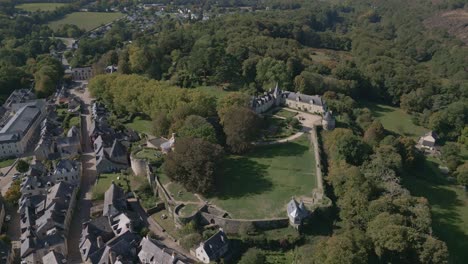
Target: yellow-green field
point(86, 20)
point(34, 7)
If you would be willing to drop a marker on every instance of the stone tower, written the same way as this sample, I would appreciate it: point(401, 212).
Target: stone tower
point(328, 121)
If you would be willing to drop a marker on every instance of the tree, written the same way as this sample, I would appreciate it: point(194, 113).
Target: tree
point(433, 251)
point(197, 127)
point(194, 163)
point(241, 126)
point(451, 155)
point(22, 166)
point(462, 174)
point(374, 133)
point(252, 256)
point(161, 124)
point(231, 100)
point(271, 71)
point(13, 194)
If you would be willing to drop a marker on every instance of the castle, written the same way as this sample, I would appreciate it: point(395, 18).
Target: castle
point(307, 103)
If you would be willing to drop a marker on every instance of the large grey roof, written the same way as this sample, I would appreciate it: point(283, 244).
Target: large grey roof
point(53, 258)
point(21, 121)
point(295, 209)
point(114, 201)
point(215, 243)
point(314, 99)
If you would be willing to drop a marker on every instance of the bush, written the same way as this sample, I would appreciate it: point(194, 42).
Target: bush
point(253, 256)
point(22, 166)
point(191, 241)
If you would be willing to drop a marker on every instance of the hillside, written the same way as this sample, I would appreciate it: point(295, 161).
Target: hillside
point(454, 21)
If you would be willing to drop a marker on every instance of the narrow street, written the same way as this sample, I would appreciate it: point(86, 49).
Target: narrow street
point(84, 203)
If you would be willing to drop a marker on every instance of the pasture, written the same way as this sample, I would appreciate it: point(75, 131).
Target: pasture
point(86, 20)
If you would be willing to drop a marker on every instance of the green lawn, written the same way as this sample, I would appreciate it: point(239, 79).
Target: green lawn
point(34, 7)
point(189, 209)
point(261, 183)
point(396, 120)
point(104, 181)
point(180, 194)
point(449, 207)
point(86, 20)
point(167, 224)
point(218, 92)
point(148, 154)
point(284, 113)
point(7, 162)
point(140, 125)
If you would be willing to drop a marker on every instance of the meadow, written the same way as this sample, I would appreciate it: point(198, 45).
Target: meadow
point(260, 183)
point(86, 20)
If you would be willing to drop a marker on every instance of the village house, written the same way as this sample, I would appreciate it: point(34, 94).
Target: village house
point(81, 74)
point(428, 140)
point(110, 158)
point(67, 171)
point(70, 145)
point(153, 252)
point(214, 248)
point(111, 237)
point(161, 143)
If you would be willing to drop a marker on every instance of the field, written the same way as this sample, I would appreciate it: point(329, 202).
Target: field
point(396, 120)
point(140, 125)
point(33, 7)
point(7, 162)
point(104, 181)
point(260, 183)
point(449, 207)
point(86, 20)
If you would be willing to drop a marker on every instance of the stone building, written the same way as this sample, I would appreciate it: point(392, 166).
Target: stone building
point(214, 248)
point(296, 213)
point(273, 98)
point(328, 121)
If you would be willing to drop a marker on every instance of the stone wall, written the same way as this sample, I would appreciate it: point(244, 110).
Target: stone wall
point(232, 226)
point(139, 166)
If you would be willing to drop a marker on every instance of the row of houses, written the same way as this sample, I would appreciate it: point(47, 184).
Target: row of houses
point(110, 146)
point(46, 208)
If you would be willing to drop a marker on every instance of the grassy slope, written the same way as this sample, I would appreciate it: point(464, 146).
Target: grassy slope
point(140, 125)
point(33, 7)
point(7, 162)
point(260, 183)
point(86, 20)
point(396, 120)
point(449, 207)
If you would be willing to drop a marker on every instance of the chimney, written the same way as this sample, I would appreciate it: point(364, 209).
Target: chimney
point(100, 242)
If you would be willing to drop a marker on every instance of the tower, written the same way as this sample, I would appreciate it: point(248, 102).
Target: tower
point(328, 121)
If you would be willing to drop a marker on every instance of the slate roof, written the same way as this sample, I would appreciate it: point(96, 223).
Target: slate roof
point(314, 99)
point(117, 150)
point(215, 243)
point(328, 116)
point(54, 258)
point(153, 252)
point(296, 210)
point(66, 165)
point(114, 201)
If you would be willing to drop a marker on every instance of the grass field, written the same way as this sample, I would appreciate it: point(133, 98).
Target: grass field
point(396, 120)
point(86, 20)
point(7, 162)
point(260, 183)
point(104, 181)
point(180, 194)
point(140, 125)
point(284, 113)
point(449, 207)
point(34, 7)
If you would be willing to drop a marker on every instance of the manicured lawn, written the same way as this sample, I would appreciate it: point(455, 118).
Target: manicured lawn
point(189, 209)
point(180, 194)
point(33, 7)
point(104, 181)
point(7, 162)
point(449, 207)
point(86, 20)
point(285, 113)
point(140, 125)
point(395, 120)
point(149, 154)
point(261, 183)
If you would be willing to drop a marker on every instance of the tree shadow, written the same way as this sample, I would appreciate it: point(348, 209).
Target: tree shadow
point(278, 150)
point(242, 176)
point(445, 203)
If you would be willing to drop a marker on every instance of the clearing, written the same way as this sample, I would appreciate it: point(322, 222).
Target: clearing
point(259, 184)
point(396, 120)
point(140, 125)
point(86, 20)
point(449, 207)
point(34, 7)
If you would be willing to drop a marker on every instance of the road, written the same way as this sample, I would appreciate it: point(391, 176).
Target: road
point(88, 161)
